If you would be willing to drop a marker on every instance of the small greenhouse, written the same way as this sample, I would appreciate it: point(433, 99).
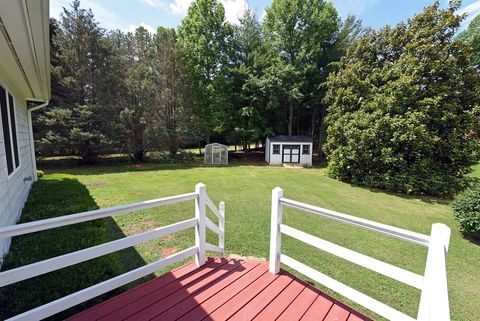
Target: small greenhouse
point(216, 154)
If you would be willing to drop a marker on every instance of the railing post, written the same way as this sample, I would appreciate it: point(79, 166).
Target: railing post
point(200, 229)
point(275, 235)
point(434, 304)
point(221, 238)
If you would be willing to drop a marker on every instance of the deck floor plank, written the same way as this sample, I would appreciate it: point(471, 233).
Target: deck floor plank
point(197, 299)
point(207, 307)
point(159, 306)
point(139, 304)
point(260, 301)
point(319, 308)
point(223, 289)
point(282, 301)
point(300, 305)
point(338, 312)
point(128, 296)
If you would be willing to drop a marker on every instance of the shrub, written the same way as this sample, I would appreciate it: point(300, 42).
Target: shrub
point(402, 107)
point(40, 174)
point(466, 210)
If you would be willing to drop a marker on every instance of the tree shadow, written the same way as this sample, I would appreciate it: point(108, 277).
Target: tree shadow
point(472, 238)
point(423, 198)
point(254, 158)
point(56, 197)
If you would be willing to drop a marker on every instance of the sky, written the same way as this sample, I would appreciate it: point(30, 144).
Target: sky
point(126, 15)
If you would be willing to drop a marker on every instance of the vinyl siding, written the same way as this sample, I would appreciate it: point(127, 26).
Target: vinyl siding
point(14, 189)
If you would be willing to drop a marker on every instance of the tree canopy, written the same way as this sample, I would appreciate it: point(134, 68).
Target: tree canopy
point(396, 108)
point(402, 107)
point(471, 36)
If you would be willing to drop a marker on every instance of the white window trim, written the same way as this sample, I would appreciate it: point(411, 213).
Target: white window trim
point(279, 149)
point(12, 148)
point(309, 149)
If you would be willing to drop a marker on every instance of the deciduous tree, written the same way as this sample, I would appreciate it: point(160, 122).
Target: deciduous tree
point(402, 105)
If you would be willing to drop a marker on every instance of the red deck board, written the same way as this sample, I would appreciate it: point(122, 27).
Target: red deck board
point(138, 304)
point(159, 306)
point(193, 301)
point(223, 290)
point(114, 303)
point(300, 305)
point(242, 298)
point(281, 301)
point(319, 308)
point(259, 302)
point(223, 296)
point(339, 312)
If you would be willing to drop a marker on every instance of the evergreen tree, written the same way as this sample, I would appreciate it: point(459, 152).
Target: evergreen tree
point(83, 84)
point(138, 101)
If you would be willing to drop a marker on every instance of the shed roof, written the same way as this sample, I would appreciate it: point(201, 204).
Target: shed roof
point(216, 144)
point(286, 138)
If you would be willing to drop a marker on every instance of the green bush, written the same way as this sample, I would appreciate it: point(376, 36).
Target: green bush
point(466, 210)
point(40, 174)
point(402, 107)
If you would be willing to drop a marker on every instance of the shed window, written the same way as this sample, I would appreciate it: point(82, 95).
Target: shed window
point(276, 149)
point(9, 127)
point(305, 149)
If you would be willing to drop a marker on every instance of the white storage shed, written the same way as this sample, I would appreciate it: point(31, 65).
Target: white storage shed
point(285, 149)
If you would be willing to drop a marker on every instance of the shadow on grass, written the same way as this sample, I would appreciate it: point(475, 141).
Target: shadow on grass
point(472, 238)
point(236, 159)
point(423, 198)
point(50, 198)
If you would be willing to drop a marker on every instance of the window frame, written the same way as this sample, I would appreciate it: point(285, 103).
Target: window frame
point(303, 149)
point(273, 149)
point(8, 117)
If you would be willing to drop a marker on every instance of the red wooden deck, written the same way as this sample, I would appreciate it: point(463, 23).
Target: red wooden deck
point(222, 289)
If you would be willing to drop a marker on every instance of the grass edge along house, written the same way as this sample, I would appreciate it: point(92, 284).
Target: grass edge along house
point(24, 87)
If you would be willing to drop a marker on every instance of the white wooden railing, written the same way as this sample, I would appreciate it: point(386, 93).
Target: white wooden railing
point(200, 222)
point(434, 304)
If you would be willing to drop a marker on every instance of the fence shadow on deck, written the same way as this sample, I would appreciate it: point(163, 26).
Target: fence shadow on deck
point(48, 198)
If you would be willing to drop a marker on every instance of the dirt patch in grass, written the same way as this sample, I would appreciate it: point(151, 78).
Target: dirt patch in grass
point(143, 226)
point(141, 166)
point(96, 184)
point(166, 251)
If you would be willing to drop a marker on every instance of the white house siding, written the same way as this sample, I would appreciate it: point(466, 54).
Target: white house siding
point(14, 189)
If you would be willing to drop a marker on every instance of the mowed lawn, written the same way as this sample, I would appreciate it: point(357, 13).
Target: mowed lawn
point(246, 190)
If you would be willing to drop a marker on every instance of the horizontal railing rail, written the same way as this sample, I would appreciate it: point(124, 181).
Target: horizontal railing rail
point(42, 225)
point(367, 224)
point(200, 223)
point(433, 284)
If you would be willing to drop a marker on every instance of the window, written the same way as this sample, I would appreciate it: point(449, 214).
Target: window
point(276, 149)
point(7, 111)
point(305, 149)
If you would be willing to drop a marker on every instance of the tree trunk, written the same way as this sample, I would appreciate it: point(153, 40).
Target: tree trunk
point(290, 120)
point(322, 132)
point(139, 155)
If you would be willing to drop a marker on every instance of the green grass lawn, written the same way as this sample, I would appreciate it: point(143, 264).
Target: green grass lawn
point(246, 189)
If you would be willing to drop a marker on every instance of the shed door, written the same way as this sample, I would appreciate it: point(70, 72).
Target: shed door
point(291, 154)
